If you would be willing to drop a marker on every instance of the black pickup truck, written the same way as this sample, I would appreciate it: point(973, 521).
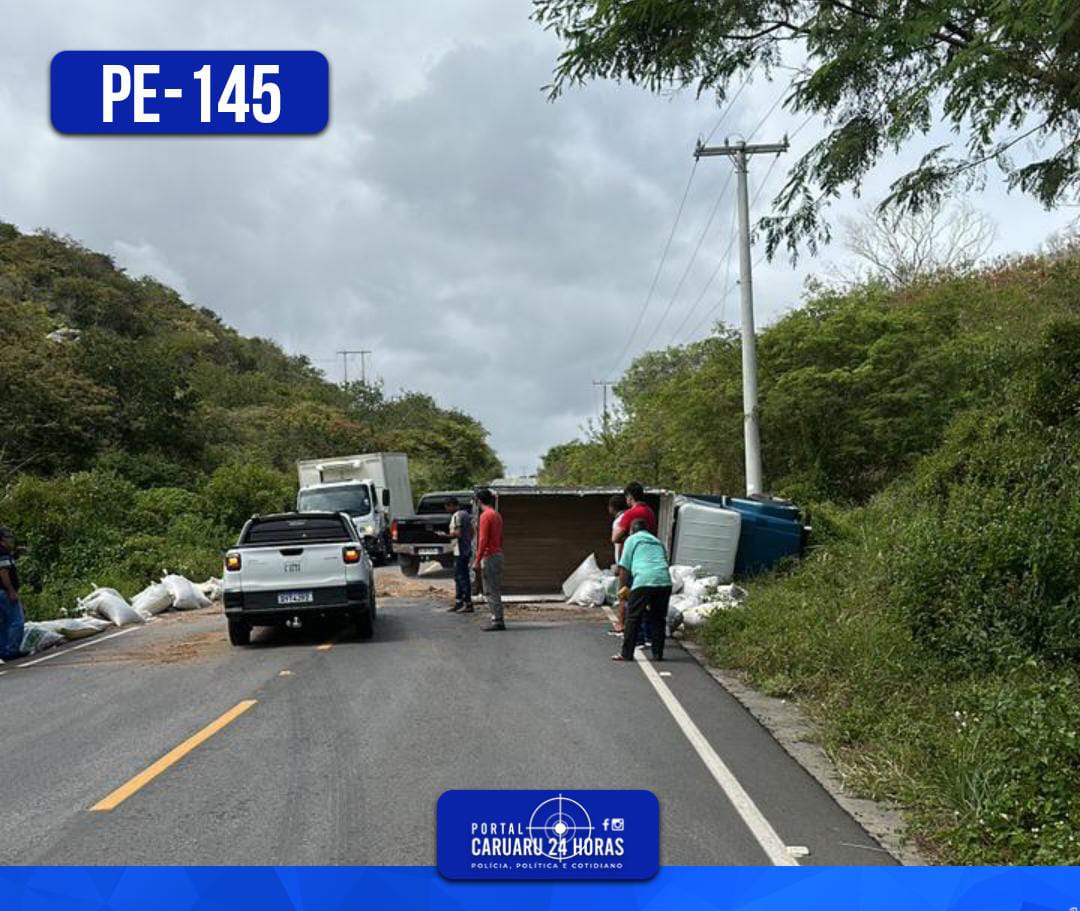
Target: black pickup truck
point(415, 539)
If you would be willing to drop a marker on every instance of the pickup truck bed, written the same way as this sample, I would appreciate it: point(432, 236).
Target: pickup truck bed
point(293, 568)
point(415, 538)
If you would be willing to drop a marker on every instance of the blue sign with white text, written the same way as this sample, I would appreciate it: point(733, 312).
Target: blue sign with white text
point(189, 92)
point(548, 834)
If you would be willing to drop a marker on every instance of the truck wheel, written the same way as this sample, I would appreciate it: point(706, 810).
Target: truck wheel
point(239, 632)
point(365, 621)
point(410, 565)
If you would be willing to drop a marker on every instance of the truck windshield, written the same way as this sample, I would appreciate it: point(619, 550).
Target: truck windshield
point(352, 500)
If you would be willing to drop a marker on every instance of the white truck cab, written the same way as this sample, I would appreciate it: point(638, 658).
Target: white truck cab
point(373, 489)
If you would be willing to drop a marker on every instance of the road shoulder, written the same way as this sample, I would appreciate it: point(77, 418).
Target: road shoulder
point(797, 735)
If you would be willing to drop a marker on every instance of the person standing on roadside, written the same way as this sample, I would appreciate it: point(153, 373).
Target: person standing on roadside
point(643, 569)
point(637, 509)
point(12, 621)
point(489, 557)
point(617, 505)
point(461, 533)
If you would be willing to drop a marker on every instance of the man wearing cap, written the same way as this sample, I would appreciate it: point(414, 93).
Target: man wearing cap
point(11, 613)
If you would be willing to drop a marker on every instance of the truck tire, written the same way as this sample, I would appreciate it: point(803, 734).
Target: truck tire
point(239, 632)
point(365, 620)
point(410, 565)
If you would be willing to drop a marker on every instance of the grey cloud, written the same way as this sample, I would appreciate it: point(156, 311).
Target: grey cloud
point(492, 248)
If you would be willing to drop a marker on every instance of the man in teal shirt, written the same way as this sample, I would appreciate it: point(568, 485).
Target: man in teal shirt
point(644, 568)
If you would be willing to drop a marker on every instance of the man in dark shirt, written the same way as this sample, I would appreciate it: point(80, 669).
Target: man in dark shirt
point(461, 534)
point(11, 613)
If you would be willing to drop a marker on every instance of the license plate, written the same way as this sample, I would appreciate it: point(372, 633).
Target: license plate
point(295, 597)
point(429, 551)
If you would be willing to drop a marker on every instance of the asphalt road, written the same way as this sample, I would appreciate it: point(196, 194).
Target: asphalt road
point(348, 744)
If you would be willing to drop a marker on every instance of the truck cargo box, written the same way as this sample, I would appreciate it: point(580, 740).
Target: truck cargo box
point(548, 531)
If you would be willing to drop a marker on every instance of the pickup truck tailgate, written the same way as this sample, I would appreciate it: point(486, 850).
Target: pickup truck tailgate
point(280, 568)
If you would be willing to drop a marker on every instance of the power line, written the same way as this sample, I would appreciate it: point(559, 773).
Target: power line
point(690, 264)
point(731, 103)
point(656, 276)
point(716, 206)
point(757, 262)
point(725, 262)
point(344, 354)
point(675, 225)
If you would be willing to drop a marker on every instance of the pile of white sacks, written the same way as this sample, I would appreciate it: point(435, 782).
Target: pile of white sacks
point(106, 607)
point(692, 598)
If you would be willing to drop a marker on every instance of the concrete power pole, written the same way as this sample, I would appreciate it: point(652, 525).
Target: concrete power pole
point(740, 152)
point(604, 384)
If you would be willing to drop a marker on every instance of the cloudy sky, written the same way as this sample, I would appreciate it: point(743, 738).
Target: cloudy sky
point(491, 248)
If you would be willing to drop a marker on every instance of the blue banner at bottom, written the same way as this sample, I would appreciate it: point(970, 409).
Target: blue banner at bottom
point(333, 888)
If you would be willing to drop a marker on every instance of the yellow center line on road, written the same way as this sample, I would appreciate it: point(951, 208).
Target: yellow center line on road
point(325, 647)
point(174, 755)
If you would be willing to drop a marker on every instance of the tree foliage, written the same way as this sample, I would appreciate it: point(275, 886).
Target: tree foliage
point(855, 387)
point(1005, 76)
point(154, 430)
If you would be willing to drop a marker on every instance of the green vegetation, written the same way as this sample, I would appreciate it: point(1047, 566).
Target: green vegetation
point(934, 629)
point(880, 74)
point(144, 444)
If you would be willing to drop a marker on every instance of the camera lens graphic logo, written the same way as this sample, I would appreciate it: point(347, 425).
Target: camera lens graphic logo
point(563, 825)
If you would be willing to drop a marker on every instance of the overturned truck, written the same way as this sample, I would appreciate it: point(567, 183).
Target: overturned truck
point(547, 531)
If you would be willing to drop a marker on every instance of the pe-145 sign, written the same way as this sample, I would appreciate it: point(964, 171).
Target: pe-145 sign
point(189, 91)
point(548, 835)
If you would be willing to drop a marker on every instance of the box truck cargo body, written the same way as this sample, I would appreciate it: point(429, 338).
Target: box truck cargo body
point(372, 488)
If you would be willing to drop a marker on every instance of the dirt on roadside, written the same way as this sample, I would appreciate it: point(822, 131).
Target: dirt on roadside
point(394, 586)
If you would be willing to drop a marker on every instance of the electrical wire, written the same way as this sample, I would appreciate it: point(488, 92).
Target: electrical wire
point(656, 275)
point(693, 258)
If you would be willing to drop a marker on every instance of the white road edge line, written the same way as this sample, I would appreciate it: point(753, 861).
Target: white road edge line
point(759, 826)
point(75, 648)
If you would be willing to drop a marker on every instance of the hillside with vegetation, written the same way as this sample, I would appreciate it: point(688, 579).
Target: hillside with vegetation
point(933, 629)
point(141, 434)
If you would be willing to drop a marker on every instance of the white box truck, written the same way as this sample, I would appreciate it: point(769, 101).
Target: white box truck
point(372, 488)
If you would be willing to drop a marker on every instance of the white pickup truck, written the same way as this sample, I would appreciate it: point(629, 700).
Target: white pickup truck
point(295, 568)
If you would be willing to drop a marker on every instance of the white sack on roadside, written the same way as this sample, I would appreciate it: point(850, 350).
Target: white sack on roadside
point(680, 575)
point(695, 616)
point(730, 596)
point(76, 627)
point(590, 593)
point(677, 606)
point(110, 605)
point(185, 596)
point(212, 589)
point(587, 570)
point(700, 589)
point(154, 599)
point(36, 638)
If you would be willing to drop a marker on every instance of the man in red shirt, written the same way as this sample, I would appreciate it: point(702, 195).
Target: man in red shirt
point(489, 557)
point(639, 509)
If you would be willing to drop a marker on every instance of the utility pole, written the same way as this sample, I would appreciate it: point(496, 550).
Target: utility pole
point(604, 384)
point(345, 352)
point(740, 152)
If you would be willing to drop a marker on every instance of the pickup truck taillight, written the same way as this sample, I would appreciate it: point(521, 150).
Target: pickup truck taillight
point(393, 530)
point(351, 554)
point(232, 562)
